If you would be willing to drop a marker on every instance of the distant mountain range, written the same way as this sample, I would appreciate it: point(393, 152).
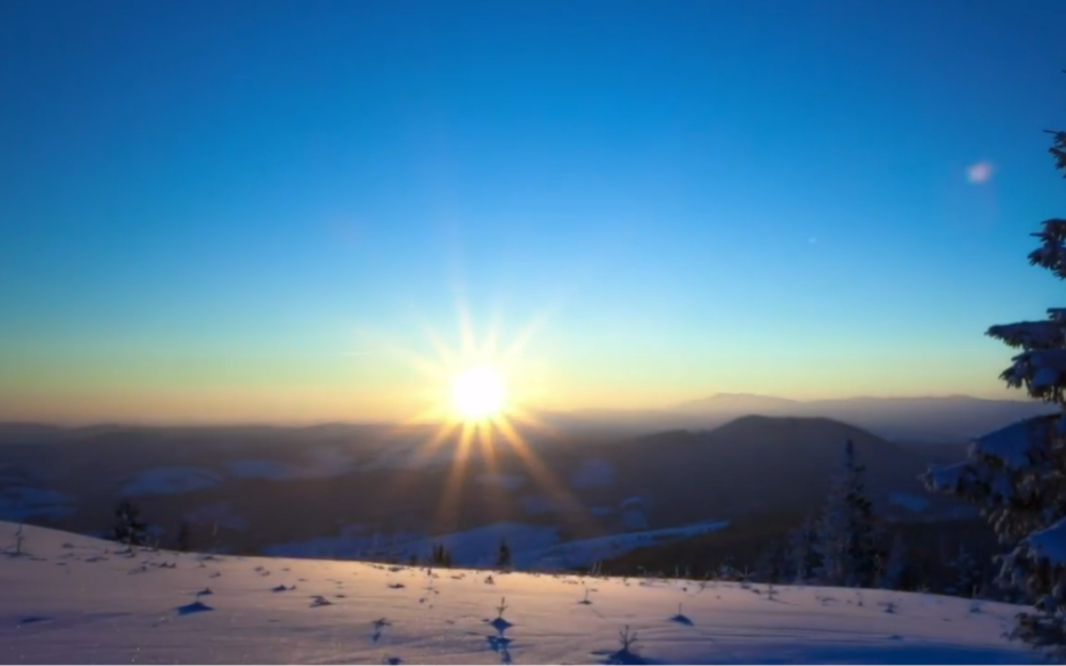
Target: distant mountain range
point(952, 418)
point(250, 489)
point(949, 419)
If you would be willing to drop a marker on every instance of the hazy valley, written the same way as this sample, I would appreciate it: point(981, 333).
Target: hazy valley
point(569, 497)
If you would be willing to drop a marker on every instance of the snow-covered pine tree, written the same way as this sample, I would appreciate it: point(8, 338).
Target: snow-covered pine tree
point(1017, 475)
point(847, 538)
point(726, 570)
point(804, 559)
point(895, 565)
point(128, 527)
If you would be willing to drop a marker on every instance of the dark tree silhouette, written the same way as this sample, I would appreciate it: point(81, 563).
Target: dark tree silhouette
point(183, 537)
point(440, 556)
point(503, 557)
point(129, 529)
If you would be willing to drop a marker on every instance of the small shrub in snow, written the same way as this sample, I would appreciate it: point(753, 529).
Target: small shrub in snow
point(681, 618)
point(628, 640)
point(501, 625)
point(726, 572)
point(771, 592)
point(19, 538)
point(129, 529)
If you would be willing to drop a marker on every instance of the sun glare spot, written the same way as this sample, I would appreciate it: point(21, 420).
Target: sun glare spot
point(979, 172)
point(478, 394)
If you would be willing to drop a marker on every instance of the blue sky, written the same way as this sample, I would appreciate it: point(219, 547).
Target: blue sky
point(245, 210)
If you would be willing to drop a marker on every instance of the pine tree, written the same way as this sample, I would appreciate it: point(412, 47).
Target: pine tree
point(770, 566)
point(847, 539)
point(1017, 475)
point(895, 565)
point(128, 528)
point(804, 559)
point(503, 557)
point(440, 556)
point(183, 537)
point(967, 574)
point(726, 570)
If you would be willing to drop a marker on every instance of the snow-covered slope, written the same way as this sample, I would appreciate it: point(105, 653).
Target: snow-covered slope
point(532, 546)
point(73, 599)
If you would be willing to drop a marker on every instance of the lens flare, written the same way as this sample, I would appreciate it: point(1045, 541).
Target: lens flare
point(979, 172)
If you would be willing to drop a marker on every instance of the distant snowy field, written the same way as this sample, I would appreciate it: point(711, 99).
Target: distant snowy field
point(532, 546)
point(73, 599)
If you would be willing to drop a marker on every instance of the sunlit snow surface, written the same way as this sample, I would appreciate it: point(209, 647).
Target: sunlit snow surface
point(73, 599)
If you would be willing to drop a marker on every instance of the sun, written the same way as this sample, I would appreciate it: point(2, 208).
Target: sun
point(479, 394)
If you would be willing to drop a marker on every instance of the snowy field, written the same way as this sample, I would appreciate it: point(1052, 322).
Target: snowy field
point(532, 546)
point(74, 599)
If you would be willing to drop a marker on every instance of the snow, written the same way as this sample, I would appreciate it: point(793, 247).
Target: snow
point(947, 478)
point(324, 463)
point(1046, 359)
point(72, 599)
point(585, 552)
point(1030, 334)
point(532, 546)
point(912, 503)
point(20, 502)
point(171, 480)
point(1014, 443)
point(1050, 543)
point(595, 473)
point(1045, 377)
point(473, 547)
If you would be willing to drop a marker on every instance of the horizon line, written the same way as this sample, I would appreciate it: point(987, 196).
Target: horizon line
point(295, 424)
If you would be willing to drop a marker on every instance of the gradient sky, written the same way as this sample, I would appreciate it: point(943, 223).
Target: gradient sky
point(259, 210)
